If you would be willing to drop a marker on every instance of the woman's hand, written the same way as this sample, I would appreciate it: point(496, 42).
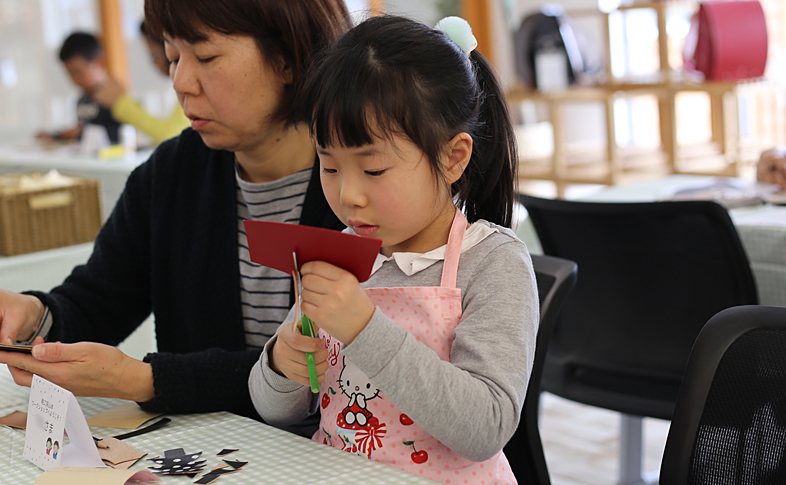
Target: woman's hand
point(19, 316)
point(772, 166)
point(84, 368)
point(288, 355)
point(334, 300)
point(108, 93)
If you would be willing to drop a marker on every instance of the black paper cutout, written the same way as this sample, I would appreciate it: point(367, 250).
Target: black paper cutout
point(177, 462)
point(207, 479)
point(236, 464)
point(214, 474)
point(226, 451)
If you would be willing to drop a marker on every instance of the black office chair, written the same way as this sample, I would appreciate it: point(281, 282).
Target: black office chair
point(556, 278)
point(651, 275)
point(729, 425)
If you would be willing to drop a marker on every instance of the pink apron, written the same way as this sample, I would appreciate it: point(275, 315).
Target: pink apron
point(358, 418)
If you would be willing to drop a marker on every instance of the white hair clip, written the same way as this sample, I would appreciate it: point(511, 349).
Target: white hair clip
point(458, 30)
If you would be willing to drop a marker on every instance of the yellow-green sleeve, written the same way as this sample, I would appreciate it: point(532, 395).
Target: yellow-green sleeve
point(126, 110)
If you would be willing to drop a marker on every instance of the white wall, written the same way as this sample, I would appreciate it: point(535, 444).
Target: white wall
point(35, 92)
point(422, 10)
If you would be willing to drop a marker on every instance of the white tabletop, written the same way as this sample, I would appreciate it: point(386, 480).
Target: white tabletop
point(762, 229)
point(67, 157)
point(274, 456)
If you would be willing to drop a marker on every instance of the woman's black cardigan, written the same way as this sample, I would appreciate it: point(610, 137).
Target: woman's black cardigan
point(171, 247)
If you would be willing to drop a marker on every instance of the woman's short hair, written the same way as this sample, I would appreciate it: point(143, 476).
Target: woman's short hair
point(289, 33)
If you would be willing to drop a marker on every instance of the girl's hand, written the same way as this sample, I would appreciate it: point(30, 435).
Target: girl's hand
point(334, 300)
point(288, 355)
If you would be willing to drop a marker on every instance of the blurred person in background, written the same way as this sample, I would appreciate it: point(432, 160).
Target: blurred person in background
point(113, 96)
point(772, 166)
point(85, 62)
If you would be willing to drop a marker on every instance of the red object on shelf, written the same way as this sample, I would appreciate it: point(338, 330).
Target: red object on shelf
point(727, 40)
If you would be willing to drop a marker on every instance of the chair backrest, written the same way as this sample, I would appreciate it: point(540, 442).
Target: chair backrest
point(556, 278)
point(651, 275)
point(729, 425)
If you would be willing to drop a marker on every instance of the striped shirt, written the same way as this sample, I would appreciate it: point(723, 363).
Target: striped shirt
point(264, 292)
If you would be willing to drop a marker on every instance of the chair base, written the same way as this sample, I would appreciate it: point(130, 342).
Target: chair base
point(631, 452)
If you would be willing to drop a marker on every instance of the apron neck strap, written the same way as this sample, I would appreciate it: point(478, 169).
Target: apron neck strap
point(453, 251)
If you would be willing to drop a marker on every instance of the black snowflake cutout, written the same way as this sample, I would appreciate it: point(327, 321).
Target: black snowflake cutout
point(177, 462)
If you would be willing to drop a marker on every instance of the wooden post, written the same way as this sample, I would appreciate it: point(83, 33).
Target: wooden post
point(667, 112)
point(607, 36)
point(476, 12)
point(113, 42)
point(612, 150)
point(717, 122)
point(663, 43)
point(731, 122)
point(377, 7)
point(558, 168)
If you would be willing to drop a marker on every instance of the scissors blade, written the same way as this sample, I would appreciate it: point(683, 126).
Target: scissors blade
point(308, 327)
point(296, 279)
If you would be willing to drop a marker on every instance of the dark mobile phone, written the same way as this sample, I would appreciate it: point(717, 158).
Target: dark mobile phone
point(25, 349)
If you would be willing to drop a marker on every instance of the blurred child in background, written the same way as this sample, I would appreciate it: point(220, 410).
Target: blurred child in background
point(84, 59)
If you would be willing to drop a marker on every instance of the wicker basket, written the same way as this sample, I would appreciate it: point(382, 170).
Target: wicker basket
point(47, 218)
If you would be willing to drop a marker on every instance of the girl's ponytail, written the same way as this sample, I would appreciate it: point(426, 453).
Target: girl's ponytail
point(487, 188)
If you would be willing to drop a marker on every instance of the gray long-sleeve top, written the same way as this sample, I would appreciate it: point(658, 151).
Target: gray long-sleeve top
point(472, 403)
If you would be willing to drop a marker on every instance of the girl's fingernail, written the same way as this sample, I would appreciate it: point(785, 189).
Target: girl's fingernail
point(39, 351)
point(9, 341)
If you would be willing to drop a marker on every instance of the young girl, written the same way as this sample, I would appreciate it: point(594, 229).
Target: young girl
point(426, 368)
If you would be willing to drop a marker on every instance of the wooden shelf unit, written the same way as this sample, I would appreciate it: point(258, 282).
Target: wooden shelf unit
point(602, 163)
point(727, 153)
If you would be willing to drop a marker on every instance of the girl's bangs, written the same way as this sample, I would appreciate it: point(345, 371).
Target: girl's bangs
point(357, 103)
point(337, 126)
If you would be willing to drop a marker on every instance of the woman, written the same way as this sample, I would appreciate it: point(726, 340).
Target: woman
point(174, 243)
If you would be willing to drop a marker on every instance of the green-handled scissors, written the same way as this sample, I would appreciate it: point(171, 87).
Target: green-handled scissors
point(307, 328)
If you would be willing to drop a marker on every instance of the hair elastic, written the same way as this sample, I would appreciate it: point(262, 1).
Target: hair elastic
point(458, 30)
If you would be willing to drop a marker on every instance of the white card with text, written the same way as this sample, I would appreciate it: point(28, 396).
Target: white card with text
point(51, 410)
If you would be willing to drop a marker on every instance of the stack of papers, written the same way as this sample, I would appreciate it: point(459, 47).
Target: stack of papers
point(731, 193)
